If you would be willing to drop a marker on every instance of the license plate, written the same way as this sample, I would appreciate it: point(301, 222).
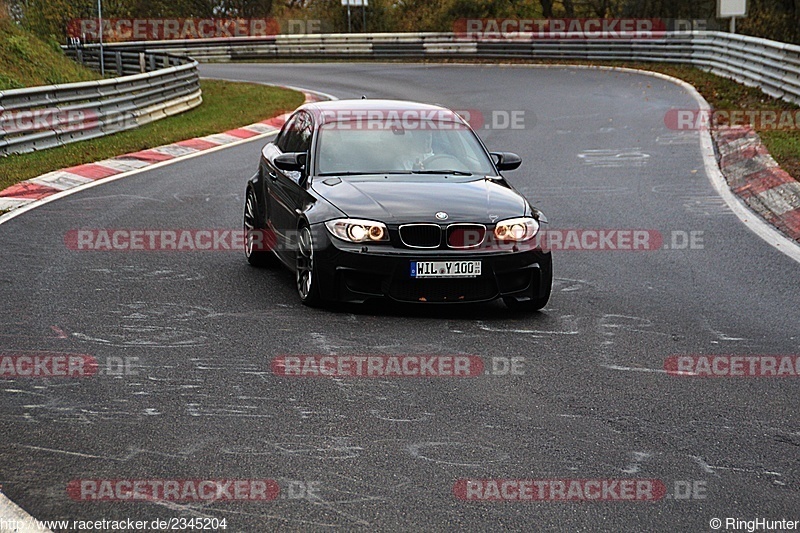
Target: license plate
point(445, 269)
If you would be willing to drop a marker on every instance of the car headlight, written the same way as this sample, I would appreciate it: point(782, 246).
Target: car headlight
point(354, 230)
point(516, 229)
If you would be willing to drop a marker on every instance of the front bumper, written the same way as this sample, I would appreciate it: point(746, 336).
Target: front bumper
point(354, 273)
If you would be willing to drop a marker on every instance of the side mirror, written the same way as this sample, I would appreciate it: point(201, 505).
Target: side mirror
point(291, 161)
point(506, 160)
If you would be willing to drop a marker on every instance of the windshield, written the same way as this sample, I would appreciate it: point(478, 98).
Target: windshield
point(431, 147)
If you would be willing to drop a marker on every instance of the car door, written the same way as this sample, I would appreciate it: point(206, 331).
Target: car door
point(299, 195)
point(287, 188)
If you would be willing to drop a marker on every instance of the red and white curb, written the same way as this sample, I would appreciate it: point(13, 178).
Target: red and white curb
point(37, 189)
point(755, 177)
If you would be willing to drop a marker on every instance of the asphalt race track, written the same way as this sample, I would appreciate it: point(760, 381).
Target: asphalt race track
point(589, 401)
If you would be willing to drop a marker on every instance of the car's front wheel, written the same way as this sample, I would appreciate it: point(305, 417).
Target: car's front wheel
point(306, 270)
point(256, 248)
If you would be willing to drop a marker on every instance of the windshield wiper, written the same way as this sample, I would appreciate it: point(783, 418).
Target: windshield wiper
point(355, 173)
point(454, 172)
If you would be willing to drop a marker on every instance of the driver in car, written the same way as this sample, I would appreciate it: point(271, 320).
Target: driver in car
point(417, 147)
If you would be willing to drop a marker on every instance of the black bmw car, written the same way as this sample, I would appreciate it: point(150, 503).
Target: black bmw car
point(371, 199)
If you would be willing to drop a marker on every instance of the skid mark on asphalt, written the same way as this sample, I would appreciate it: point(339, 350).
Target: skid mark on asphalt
point(192, 509)
point(636, 463)
point(226, 411)
point(572, 285)
point(568, 326)
point(373, 389)
point(709, 469)
point(326, 346)
point(132, 453)
point(720, 336)
point(631, 157)
point(143, 324)
point(704, 466)
point(680, 187)
point(318, 447)
point(633, 368)
point(99, 198)
point(381, 415)
point(464, 454)
point(204, 198)
point(134, 274)
point(25, 330)
point(706, 205)
point(161, 311)
point(609, 326)
point(146, 336)
point(574, 191)
point(681, 138)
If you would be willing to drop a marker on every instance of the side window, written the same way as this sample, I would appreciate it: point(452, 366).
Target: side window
point(306, 127)
point(300, 138)
point(288, 135)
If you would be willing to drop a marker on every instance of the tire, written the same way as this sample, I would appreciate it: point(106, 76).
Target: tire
point(535, 303)
point(306, 269)
point(252, 224)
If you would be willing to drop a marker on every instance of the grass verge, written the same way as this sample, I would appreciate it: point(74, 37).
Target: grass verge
point(26, 60)
point(226, 105)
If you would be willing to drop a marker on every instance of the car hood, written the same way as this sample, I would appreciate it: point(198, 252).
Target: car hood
point(404, 199)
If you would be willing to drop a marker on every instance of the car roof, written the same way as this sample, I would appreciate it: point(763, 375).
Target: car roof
point(331, 107)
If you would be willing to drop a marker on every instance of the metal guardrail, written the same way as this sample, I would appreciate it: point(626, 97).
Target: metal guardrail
point(770, 65)
point(160, 82)
point(151, 86)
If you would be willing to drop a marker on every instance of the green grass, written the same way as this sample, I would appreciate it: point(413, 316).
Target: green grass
point(226, 105)
point(26, 60)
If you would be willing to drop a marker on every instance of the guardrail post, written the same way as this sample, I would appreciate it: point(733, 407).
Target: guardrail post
point(152, 62)
point(142, 67)
point(118, 58)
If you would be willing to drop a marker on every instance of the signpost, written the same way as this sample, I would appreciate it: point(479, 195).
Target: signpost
point(357, 3)
point(731, 9)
